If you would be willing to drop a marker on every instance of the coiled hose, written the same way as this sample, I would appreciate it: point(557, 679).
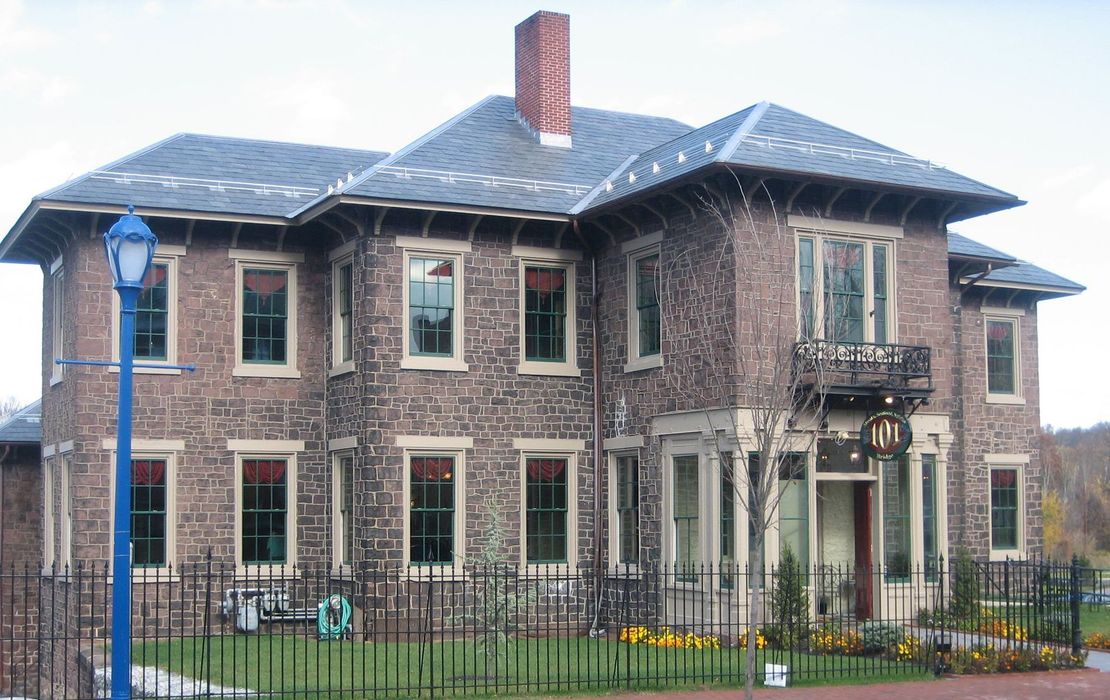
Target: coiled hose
point(333, 618)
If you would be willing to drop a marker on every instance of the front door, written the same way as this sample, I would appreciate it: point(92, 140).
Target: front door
point(864, 564)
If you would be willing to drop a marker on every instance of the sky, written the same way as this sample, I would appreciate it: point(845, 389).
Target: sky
point(1014, 94)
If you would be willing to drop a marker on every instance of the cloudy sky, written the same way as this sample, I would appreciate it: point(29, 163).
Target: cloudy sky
point(1011, 93)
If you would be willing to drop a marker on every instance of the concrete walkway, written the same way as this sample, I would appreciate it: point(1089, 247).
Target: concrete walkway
point(1057, 685)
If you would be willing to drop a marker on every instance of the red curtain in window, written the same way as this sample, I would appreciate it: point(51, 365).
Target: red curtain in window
point(545, 281)
point(263, 284)
point(545, 469)
point(444, 269)
point(263, 471)
point(432, 468)
point(1003, 478)
point(155, 276)
point(148, 472)
point(999, 331)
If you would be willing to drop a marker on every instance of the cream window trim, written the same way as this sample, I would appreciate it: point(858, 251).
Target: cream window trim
point(458, 534)
point(852, 228)
point(569, 366)
point(636, 245)
point(338, 364)
point(1006, 460)
point(55, 264)
point(337, 457)
point(267, 261)
point(433, 245)
point(1017, 552)
point(65, 446)
point(343, 443)
point(819, 238)
point(1017, 398)
point(48, 512)
point(707, 509)
point(548, 445)
point(614, 535)
point(342, 251)
point(151, 573)
point(434, 442)
point(49, 451)
point(636, 362)
point(57, 320)
point(65, 555)
point(292, 506)
point(1001, 311)
point(546, 254)
point(627, 443)
point(146, 445)
point(454, 362)
point(572, 530)
point(267, 446)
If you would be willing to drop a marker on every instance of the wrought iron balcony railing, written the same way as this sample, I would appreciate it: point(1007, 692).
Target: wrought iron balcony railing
point(878, 365)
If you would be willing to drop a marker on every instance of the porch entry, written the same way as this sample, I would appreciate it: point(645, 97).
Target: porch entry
point(845, 532)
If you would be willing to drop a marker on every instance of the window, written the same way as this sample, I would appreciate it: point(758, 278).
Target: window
point(645, 334)
point(628, 509)
point(432, 509)
point(66, 544)
point(343, 314)
point(547, 505)
point(896, 519)
point(57, 321)
point(1005, 509)
point(155, 315)
point(929, 493)
point(1002, 356)
point(149, 508)
point(266, 335)
point(794, 507)
point(266, 502)
point(343, 522)
point(844, 289)
point(685, 511)
point(433, 301)
point(48, 512)
point(728, 520)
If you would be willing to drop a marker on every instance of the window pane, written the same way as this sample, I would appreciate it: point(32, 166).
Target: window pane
point(896, 518)
point(148, 512)
point(844, 289)
point(840, 456)
point(431, 306)
point(794, 507)
point(879, 291)
point(265, 312)
point(1004, 508)
point(647, 304)
point(152, 314)
point(546, 496)
point(929, 491)
point(432, 509)
point(545, 314)
point(628, 509)
point(687, 537)
point(346, 509)
point(805, 285)
point(345, 304)
point(264, 511)
point(1000, 357)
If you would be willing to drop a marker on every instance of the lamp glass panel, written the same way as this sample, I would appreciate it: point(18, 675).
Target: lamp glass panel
point(134, 258)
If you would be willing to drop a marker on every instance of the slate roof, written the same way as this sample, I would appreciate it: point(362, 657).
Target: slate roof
point(1029, 274)
point(217, 174)
point(963, 247)
point(488, 141)
point(24, 426)
point(771, 138)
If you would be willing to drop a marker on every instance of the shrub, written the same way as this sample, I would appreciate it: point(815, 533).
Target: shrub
point(965, 585)
point(881, 636)
point(789, 602)
point(1097, 640)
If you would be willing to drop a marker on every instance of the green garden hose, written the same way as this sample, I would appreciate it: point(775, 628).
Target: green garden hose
point(334, 616)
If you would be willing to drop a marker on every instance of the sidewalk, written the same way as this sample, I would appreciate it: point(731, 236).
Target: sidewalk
point(1058, 685)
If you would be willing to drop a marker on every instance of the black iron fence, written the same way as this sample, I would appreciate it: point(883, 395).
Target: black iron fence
point(210, 631)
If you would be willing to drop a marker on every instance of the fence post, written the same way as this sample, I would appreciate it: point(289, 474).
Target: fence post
point(1076, 634)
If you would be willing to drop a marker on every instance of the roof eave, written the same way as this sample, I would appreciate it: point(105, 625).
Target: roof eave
point(448, 207)
point(13, 235)
point(1056, 290)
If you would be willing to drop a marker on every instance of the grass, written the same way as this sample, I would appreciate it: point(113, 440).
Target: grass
point(272, 663)
point(1093, 620)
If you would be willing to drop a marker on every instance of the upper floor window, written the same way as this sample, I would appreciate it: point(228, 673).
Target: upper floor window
point(1002, 348)
point(266, 335)
point(844, 289)
point(433, 301)
point(57, 319)
point(645, 328)
point(342, 308)
point(152, 314)
point(547, 311)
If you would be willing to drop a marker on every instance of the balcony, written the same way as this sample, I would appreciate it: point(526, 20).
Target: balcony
point(864, 368)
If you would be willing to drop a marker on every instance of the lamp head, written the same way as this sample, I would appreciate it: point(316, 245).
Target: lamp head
point(129, 245)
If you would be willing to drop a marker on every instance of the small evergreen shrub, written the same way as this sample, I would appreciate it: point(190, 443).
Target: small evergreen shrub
point(881, 636)
point(789, 603)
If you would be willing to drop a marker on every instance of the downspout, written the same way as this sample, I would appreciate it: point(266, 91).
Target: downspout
point(595, 304)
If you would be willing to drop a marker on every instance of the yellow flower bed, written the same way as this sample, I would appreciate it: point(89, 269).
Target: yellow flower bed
point(667, 639)
point(827, 640)
point(997, 627)
point(1097, 640)
point(909, 649)
point(760, 640)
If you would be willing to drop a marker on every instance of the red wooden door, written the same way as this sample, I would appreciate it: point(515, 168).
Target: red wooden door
point(862, 507)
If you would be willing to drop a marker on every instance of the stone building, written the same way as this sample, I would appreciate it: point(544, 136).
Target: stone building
point(547, 312)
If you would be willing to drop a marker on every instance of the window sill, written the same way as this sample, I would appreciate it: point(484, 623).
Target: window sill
point(272, 371)
point(341, 369)
point(1006, 399)
point(1004, 554)
point(265, 572)
point(55, 379)
point(436, 364)
point(548, 369)
point(642, 363)
point(623, 571)
point(148, 370)
point(434, 572)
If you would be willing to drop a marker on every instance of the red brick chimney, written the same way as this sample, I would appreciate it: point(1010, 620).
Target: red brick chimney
point(543, 76)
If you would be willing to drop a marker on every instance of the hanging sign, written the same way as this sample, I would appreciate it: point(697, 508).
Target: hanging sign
point(885, 435)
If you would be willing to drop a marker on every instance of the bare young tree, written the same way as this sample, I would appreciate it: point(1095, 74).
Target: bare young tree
point(758, 365)
point(9, 406)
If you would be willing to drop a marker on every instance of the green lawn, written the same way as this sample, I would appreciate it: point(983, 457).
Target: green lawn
point(1094, 619)
point(272, 663)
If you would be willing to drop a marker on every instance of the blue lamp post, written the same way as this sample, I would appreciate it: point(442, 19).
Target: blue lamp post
point(130, 246)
